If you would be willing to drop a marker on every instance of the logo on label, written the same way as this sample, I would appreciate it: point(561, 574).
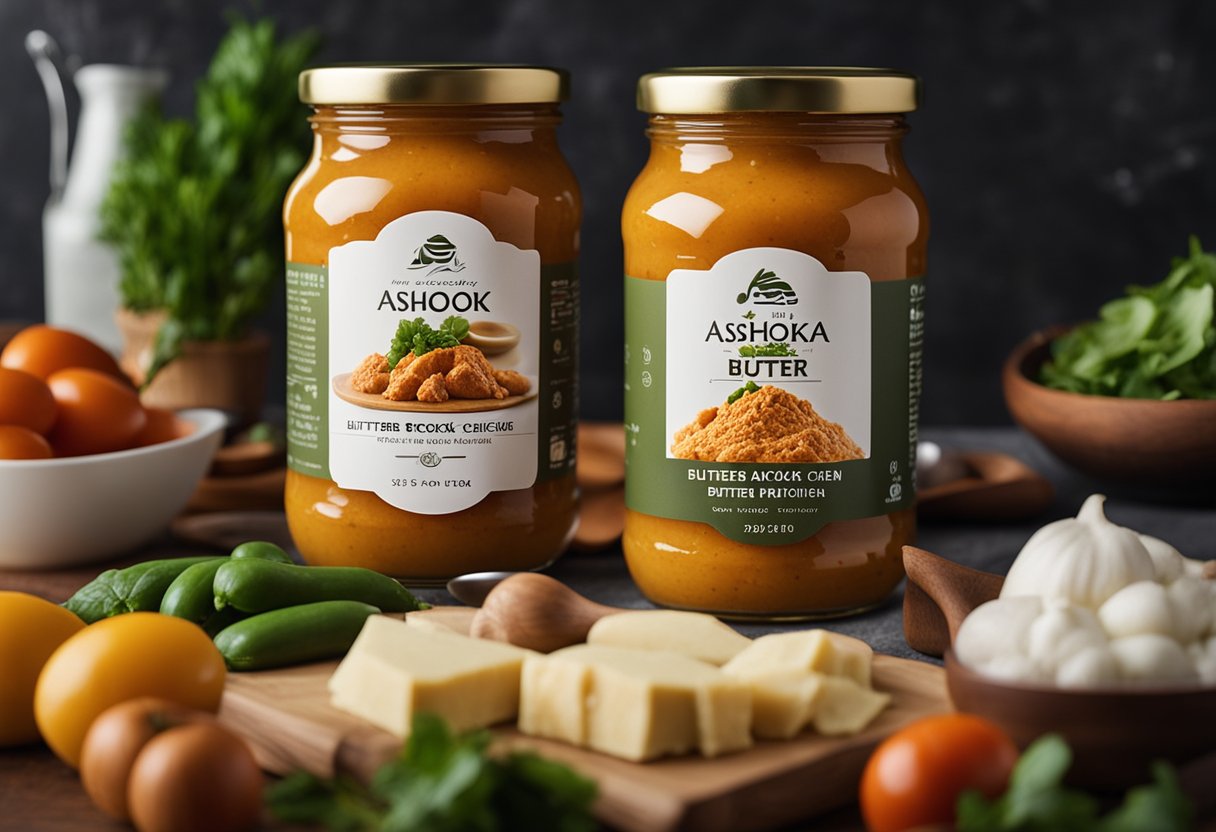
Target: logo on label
point(438, 255)
point(430, 459)
point(766, 289)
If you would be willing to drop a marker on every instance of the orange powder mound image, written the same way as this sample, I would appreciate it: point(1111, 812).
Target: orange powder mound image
point(769, 425)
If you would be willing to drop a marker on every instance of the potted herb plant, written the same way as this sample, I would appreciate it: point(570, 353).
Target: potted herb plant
point(194, 212)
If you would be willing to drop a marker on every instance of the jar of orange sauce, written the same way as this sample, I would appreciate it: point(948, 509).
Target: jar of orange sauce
point(432, 306)
point(774, 254)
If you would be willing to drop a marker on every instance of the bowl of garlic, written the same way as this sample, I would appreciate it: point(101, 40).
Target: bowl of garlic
point(1098, 633)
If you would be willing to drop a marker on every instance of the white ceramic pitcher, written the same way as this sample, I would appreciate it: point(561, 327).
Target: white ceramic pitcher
point(81, 273)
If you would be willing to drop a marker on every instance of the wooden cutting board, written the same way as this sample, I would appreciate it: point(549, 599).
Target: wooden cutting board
point(286, 716)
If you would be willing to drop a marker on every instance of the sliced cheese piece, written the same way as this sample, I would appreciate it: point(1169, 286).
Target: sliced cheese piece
point(693, 634)
point(395, 670)
point(634, 704)
point(783, 705)
point(807, 651)
point(844, 707)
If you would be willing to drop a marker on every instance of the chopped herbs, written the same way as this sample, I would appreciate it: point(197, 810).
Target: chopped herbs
point(1159, 342)
point(750, 387)
point(418, 337)
point(444, 783)
point(766, 350)
point(1036, 800)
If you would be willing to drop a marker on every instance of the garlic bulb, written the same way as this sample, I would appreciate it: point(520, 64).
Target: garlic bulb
point(1061, 632)
point(995, 629)
point(1089, 668)
point(1153, 659)
point(1084, 560)
point(1194, 603)
point(1137, 609)
point(1168, 562)
point(1203, 654)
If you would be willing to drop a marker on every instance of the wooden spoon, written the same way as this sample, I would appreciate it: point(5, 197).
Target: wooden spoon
point(939, 595)
point(537, 612)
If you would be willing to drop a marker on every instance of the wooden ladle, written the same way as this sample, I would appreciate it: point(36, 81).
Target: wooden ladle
point(537, 612)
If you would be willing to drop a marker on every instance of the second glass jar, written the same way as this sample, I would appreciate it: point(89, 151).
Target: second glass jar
point(774, 248)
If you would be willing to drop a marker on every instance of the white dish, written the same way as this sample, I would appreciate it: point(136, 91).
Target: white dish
point(56, 513)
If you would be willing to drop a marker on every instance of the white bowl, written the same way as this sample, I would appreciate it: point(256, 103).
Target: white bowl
point(65, 512)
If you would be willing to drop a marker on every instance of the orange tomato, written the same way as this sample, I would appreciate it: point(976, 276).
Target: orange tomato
point(25, 400)
point(914, 778)
point(31, 629)
point(161, 426)
point(122, 658)
point(97, 413)
point(42, 350)
point(17, 442)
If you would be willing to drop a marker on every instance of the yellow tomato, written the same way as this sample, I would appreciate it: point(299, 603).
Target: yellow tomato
point(120, 658)
point(30, 630)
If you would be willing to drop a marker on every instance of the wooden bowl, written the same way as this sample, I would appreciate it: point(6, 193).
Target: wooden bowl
point(1115, 733)
point(1139, 441)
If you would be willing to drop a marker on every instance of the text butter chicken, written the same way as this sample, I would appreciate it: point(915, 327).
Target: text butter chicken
point(432, 321)
point(774, 255)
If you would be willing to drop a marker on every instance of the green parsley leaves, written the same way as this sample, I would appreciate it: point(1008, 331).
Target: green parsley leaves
point(1159, 342)
point(1036, 800)
point(750, 387)
point(418, 337)
point(444, 783)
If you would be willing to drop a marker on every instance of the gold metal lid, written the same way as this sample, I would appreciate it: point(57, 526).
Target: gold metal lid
point(805, 89)
point(433, 84)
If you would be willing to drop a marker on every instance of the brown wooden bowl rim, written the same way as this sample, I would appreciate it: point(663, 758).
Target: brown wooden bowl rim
point(956, 668)
point(1014, 373)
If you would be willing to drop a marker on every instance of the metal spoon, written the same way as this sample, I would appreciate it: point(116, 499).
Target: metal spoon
point(472, 589)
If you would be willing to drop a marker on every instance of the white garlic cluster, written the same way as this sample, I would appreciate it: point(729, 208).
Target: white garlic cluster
point(1088, 603)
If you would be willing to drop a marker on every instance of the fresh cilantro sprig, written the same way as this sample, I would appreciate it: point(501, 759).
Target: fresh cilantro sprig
point(1159, 342)
point(1036, 800)
point(766, 350)
point(418, 337)
point(443, 782)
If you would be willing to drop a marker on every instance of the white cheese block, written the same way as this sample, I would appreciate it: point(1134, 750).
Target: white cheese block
point(395, 670)
point(783, 705)
point(844, 707)
point(634, 704)
point(804, 651)
point(691, 634)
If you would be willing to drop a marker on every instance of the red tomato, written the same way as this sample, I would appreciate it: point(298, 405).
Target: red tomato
point(25, 400)
point(97, 413)
point(17, 442)
point(162, 425)
point(42, 350)
point(915, 776)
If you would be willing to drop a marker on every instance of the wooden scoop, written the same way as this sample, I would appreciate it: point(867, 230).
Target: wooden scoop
point(939, 595)
point(537, 612)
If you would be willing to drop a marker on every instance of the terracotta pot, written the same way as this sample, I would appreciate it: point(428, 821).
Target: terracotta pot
point(229, 375)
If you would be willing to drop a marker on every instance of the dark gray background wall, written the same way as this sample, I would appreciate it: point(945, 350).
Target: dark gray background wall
point(1067, 149)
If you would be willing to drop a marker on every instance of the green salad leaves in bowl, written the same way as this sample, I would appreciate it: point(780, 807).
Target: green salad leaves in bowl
point(1158, 342)
point(1131, 396)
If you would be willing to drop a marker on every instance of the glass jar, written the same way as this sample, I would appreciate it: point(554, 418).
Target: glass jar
point(432, 298)
point(774, 248)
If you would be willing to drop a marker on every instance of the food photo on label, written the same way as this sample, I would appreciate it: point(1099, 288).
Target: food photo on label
point(571, 418)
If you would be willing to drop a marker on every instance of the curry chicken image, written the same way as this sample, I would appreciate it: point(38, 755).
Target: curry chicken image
point(460, 372)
